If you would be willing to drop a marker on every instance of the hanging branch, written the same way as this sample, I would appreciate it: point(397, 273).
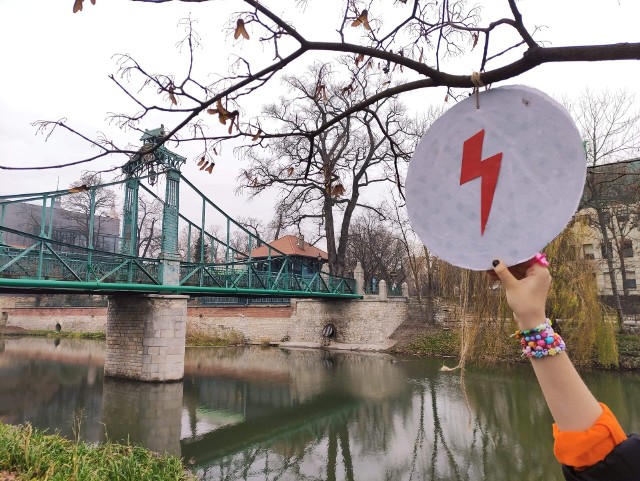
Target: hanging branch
point(412, 52)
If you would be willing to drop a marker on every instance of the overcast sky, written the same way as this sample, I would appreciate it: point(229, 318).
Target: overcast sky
point(56, 64)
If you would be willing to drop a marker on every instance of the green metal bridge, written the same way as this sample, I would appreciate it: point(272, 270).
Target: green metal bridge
point(124, 237)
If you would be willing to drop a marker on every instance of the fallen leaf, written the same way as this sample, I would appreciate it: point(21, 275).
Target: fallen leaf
point(174, 101)
point(290, 171)
point(359, 58)
point(475, 40)
point(206, 164)
point(77, 6)
point(240, 30)
point(201, 161)
point(210, 168)
point(362, 19)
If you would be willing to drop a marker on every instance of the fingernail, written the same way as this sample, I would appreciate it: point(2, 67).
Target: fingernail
point(495, 263)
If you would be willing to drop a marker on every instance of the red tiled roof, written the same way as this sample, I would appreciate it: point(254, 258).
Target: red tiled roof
point(289, 245)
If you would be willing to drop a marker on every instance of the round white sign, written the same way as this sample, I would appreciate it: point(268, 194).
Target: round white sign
point(498, 182)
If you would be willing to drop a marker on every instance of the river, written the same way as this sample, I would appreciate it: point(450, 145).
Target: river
point(274, 414)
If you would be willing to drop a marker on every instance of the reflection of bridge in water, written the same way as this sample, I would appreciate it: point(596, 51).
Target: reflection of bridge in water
point(263, 422)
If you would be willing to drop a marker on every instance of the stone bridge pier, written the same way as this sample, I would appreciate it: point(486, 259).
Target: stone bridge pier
point(146, 337)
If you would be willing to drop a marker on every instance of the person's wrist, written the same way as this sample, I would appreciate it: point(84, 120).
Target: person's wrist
point(530, 320)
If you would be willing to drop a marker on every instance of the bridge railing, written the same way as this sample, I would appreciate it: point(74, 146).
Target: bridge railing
point(93, 234)
point(262, 275)
point(45, 259)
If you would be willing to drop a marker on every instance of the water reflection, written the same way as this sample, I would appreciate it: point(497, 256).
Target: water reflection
point(147, 414)
point(266, 414)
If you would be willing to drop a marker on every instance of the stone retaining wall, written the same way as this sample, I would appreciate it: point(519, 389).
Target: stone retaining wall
point(367, 321)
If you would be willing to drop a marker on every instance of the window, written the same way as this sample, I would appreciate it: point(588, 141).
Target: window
point(627, 248)
point(607, 280)
point(630, 281)
point(588, 251)
point(622, 218)
point(604, 250)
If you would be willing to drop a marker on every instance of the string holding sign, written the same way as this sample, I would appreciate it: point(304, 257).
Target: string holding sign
point(477, 82)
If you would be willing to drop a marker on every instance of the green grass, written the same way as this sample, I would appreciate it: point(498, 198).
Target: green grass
point(216, 339)
point(447, 343)
point(61, 334)
point(34, 455)
point(435, 343)
point(629, 351)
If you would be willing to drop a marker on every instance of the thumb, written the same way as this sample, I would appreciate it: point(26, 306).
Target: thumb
point(504, 274)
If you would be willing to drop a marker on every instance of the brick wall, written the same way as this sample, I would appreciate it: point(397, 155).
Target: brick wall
point(76, 319)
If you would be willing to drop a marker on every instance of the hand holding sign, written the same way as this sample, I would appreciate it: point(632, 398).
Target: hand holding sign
point(500, 181)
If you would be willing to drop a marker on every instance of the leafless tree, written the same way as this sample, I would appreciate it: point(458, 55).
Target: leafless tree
point(609, 123)
point(411, 41)
point(77, 209)
point(347, 158)
point(376, 247)
point(149, 235)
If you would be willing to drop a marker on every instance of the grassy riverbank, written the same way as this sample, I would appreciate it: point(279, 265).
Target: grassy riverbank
point(29, 454)
point(52, 334)
point(441, 343)
point(214, 338)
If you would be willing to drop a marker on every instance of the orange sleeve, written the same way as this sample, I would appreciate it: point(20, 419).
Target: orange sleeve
point(580, 449)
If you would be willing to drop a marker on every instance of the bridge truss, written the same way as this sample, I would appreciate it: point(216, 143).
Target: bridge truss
point(124, 236)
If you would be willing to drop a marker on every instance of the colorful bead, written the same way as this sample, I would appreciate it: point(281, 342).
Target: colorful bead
point(540, 341)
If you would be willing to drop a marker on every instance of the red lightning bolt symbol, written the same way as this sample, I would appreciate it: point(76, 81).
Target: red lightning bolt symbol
point(473, 167)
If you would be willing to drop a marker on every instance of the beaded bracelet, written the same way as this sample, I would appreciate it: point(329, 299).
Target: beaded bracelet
point(540, 341)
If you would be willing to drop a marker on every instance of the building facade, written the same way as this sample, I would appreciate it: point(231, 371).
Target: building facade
point(607, 226)
point(67, 226)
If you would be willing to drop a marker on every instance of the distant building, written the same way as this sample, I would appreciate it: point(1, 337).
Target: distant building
point(70, 227)
point(306, 259)
point(612, 198)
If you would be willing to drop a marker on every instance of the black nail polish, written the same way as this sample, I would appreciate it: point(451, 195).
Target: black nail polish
point(495, 263)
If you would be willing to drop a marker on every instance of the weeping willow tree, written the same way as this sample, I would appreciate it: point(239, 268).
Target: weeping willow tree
point(487, 321)
point(589, 328)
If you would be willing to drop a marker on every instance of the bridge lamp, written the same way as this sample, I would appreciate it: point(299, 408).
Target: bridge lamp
point(153, 176)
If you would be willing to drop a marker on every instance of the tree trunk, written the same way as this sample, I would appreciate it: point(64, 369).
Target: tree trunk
point(612, 273)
